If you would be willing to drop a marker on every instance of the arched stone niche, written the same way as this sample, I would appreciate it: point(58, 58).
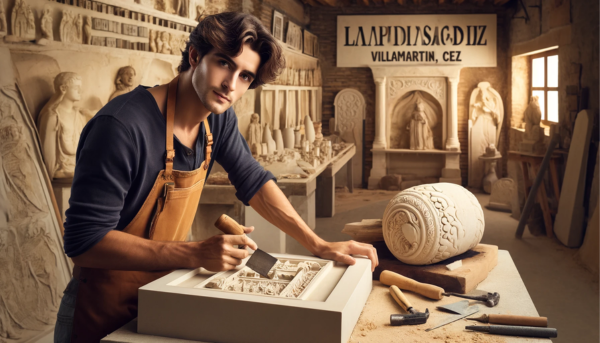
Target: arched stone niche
point(402, 113)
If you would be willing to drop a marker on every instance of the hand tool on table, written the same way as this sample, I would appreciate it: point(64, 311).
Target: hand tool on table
point(390, 278)
point(490, 299)
point(457, 307)
point(414, 318)
point(508, 330)
point(469, 311)
point(507, 319)
point(260, 261)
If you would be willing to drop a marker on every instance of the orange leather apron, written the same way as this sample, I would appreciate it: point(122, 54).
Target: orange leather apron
point(107, 299)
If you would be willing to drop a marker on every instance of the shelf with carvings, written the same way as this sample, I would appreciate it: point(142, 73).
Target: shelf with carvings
point(73, 47)
point(416, 152)
point(287, 50)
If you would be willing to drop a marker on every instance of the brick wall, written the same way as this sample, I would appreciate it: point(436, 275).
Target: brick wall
point(323, 23)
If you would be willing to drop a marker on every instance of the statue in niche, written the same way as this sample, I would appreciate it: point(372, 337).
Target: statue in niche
point(486, 113)
point(3, 25)
point(181, 8)
point(165, 47)
point(87, 29)
point(46, 26)
point(124, 81)
point(421, 137)
point(533, 140)
point(254, 130)
point(22, 23)
point(165, 6)
point(159, 42)
point(152, 38)
point(60, 124)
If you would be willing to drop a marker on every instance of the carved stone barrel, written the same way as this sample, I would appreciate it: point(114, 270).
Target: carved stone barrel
point(430, 223)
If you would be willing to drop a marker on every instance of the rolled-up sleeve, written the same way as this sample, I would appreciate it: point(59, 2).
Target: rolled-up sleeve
point(106, 164)
point(245, 173)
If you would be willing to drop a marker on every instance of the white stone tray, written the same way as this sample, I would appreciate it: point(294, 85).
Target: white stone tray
point(180, 305)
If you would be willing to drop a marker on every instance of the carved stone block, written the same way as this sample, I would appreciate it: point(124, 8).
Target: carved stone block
point(430, 223)
point(502, 195)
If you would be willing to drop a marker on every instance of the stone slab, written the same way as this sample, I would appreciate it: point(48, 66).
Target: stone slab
point(477, 263)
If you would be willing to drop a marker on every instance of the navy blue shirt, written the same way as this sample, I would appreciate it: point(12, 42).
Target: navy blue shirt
point(122, 150)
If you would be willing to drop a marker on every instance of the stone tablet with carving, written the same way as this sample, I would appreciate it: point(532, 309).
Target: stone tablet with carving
point(430, 223)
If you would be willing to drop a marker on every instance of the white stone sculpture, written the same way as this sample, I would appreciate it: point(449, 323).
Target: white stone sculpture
point(421, 137)
point(3, 25)
point(174, 44)
point(288, 138)
point(533, 140)
point(87, 30)
point(309, 129)
point(254, 130)
point(35, 270)
point(71, 28)
point(46, 26)
point(165, 46)
point(502, 195)
point(350, 107)
point(22, 23)
point(152, 40)
point(278, 141)
point(268, 140)
point(60, 124)
point(159, 42)
point(430, 223)
point(486, 113)
point(124, 81)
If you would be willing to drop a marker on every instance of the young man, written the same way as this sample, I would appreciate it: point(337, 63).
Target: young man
point(134, 197)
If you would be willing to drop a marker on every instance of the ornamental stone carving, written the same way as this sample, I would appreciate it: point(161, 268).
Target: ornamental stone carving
point(431, 223)
point(350, 109)
point(434, 86)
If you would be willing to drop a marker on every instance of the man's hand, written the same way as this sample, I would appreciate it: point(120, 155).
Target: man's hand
point(220, 252)
point(341, 251)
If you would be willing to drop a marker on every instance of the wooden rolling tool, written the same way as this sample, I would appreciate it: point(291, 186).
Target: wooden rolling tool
point(390, 278)
point(512, 320)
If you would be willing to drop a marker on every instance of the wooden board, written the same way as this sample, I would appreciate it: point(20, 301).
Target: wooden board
point(477, 263)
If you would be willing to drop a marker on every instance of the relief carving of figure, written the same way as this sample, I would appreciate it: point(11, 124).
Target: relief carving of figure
point(71, 28)
point(60, 124)
point(87, 30)
point(159, 42)
point(421, 137)
point(3, 25)
point(152, 38)
point(486, 113)
point(254, 130)
point(165, 47)
point(174, 43)
point(47, 32)
point(124, 81)
point(22, 22)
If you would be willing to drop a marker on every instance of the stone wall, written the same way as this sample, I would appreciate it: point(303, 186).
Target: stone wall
point(323, 24)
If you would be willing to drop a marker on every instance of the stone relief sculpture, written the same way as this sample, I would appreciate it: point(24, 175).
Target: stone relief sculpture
point(46, 26)
point(254, 131)
point(165, 46)
point(350, 107)
point(124, 81)
point(159, 42)
point(71, 28)
point(182, 8)
point(533, 141)
point(34, 269)
point(486, 113)
point(430, 223)
point(288, 279)
point(175, 44)
point(421, 137)
point(3, 25)
point(22, 23)
point(87, 30)
point(152, 39)
point(60, 124)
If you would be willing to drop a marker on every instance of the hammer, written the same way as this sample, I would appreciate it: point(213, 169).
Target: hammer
point(490, 299)
point(414, 318)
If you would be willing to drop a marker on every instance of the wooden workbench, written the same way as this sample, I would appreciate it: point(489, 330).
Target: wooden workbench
point(373, 324)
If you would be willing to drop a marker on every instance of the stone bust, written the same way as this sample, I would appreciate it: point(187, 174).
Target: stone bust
point(60, 124)
point(124, 81)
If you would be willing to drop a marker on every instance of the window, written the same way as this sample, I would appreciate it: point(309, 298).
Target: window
point(544, 83)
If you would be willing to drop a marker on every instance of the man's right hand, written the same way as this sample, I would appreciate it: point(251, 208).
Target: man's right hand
point(220, 252)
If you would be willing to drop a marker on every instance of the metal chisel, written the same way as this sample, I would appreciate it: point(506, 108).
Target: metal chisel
point(261, 262)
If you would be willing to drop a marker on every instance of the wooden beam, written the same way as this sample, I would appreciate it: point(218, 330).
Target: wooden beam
point(400, 2)
point(441, 2)
point(458, 2)
point(417, 2)
point(500, 2)
point(332, 3)
point(365, 2)
point(377, 2)
point(385, 2)
point(312, 3)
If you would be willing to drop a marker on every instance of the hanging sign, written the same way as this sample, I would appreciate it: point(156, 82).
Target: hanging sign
point(410, 40)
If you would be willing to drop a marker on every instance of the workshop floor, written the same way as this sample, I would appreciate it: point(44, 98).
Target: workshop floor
point(561, 289)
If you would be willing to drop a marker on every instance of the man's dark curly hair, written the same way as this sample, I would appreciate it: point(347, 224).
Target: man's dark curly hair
point(227, 32)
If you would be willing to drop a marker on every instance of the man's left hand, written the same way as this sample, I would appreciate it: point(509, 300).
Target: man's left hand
point(341, 251)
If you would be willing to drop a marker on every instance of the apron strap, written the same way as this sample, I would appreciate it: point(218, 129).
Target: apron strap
point(209, 142)
point(170, 154)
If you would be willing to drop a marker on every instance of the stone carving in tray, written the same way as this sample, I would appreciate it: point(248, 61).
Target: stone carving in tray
point(289, 279)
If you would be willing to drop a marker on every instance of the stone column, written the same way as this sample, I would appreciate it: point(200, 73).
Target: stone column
point(452, 143)
point(380, 141)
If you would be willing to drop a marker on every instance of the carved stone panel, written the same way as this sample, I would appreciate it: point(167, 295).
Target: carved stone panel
point(431, 223)
point(349, 113)
point(34, 269)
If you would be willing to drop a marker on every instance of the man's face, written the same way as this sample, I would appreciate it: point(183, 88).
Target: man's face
point(220, 80)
